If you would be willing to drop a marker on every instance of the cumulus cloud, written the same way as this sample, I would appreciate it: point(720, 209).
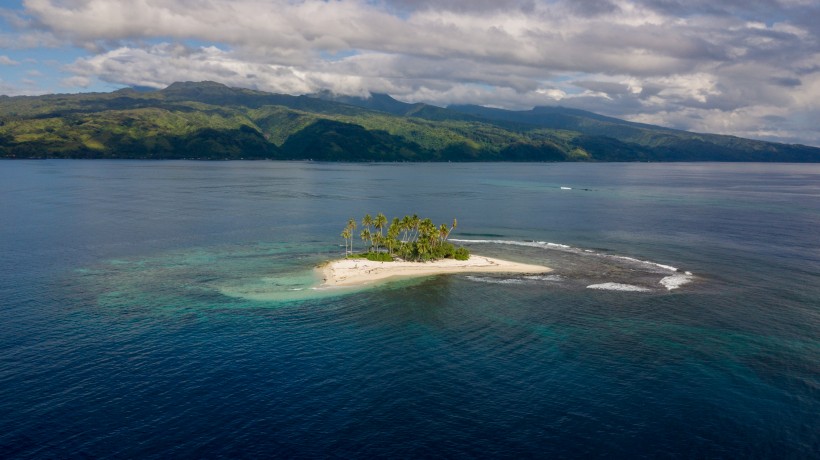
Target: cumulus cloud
point(735, 67)
point(157, 66)
point(5, 60)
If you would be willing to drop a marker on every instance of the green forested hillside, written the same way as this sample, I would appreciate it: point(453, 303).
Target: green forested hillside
point(611, 139)
point(211, 121)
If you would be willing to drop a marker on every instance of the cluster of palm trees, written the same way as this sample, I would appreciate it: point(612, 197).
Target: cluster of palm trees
point(410, 238)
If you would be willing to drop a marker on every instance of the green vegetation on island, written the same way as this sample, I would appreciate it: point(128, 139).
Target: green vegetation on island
point(409, 238)
point(211, 121)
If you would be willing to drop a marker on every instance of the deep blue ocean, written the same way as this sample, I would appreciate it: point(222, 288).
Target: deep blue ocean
point(167, 310)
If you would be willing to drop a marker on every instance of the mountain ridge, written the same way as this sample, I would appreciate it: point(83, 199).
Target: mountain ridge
point(209, 120)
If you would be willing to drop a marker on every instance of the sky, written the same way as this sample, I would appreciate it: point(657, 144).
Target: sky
point(749, 68)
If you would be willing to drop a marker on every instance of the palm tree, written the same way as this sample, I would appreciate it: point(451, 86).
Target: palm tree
point(351, 225)
point(414, 225)
point(405, 228)
point(367, 237)
point(366, 223)
point(428, 234)
point(346, 234)
point(393, 234)
point(409, 237)
point(379, 222)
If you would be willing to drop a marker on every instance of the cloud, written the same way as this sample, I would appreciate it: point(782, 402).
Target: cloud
point(75, 82)
point(27, 88)
point(604, 87)
point(670, 62)
point(290, 32)
point(25, 32)
point(159, 65)
point(5, 60)
point(463, 6)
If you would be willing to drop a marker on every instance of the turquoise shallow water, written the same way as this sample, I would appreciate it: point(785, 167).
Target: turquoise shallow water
point(166, 309)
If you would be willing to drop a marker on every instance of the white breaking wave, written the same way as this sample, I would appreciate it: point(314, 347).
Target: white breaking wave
point(676, 281)
point(521, 280)
point(670, 282)
point(544, 277)
point(646, 262)
point(546, 244)
point(532, 244)
point(619, 287)
point(492, 280)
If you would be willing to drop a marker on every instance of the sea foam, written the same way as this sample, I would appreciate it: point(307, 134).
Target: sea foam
point(670, 282)
point(544, 277)
point(521, 280)
point(494, 280)
point(567, 248)
point(675, 281)
point(618, 287)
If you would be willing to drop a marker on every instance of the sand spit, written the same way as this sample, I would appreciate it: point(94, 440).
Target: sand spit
point(357, 272)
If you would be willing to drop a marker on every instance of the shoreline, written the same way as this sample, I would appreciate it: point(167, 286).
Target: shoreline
point(358, 272)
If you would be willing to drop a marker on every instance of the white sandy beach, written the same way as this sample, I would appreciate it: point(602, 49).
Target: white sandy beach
point(355, 272)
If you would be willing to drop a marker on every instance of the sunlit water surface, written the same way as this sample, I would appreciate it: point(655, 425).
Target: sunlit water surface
point(170, 309)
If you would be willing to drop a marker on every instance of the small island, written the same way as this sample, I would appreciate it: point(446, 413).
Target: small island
point(411, 247)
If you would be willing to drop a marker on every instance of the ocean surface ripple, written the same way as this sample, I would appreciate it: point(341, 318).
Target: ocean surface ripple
point(164, 310)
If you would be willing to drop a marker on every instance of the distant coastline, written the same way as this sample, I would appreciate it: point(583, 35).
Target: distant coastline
point(211, 121)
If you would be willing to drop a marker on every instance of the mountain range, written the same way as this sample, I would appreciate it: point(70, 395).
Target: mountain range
point(208, 120)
